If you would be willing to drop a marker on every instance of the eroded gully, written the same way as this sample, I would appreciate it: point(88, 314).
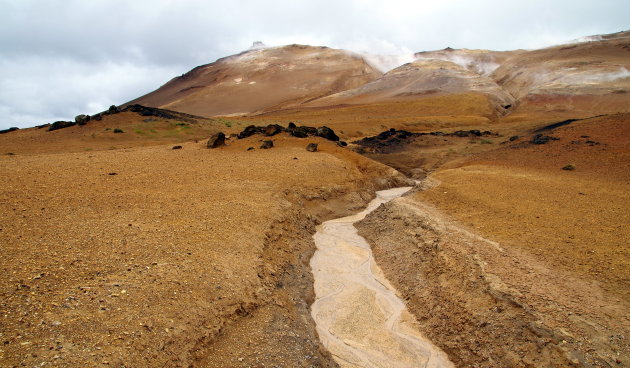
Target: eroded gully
point(358, 315)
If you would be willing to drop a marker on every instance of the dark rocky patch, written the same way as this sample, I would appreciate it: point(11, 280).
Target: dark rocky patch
point(177, 147)
point(563, 123)
point(542, 139)
point(389, 140)
point(266, 145)
point(216, 140)
point(61, 125)
point(292, 129)
point(12, 129)
point(311, 147)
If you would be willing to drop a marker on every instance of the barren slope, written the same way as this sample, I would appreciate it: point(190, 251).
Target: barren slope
point(575, 78)
point(422, 78)
point(262, 79)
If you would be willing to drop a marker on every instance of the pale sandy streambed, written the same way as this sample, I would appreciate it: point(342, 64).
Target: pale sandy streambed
point(359, 317)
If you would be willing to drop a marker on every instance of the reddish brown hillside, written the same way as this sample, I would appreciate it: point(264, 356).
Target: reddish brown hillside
point(262, 79)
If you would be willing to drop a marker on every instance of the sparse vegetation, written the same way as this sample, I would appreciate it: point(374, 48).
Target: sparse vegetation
point(486, 141)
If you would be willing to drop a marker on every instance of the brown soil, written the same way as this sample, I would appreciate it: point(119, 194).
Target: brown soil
point(190, 257)
point(550, 286)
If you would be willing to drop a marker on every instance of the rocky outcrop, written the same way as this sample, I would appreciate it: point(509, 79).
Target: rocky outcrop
point(12, 129)
point(292, 129)
point(61, 125)
point(82, 119)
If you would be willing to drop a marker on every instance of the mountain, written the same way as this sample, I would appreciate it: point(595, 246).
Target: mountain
point(262, 79)
point(591, 76)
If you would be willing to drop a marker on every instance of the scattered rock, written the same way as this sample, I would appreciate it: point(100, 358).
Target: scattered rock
point(112, 173)
point(82, 119)
point(299, 132)
point(251, 149)
point(513, 138)
point(273, 129)
point(12, 129)
point(177, 147)
point(568, 167)
point(326, 132)
point(311, 147)
point(43, 126)
point(216, 140)
point(60, 125)
point(118, 130)
point(342, 144)
point(249, 131)
point(266, 145)
point(542, 139)
point(97, 117)
point(292, 125)
point(113, 109)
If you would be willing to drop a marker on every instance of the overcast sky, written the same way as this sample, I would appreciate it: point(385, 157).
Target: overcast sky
point(60, 58)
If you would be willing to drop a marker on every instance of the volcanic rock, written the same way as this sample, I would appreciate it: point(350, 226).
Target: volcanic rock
point(311, 147)
point(60, 125)
point(216, 140)
point(326, 132)
point(273, 129)
point(82, 119)
point(12, 129)
point(266, 145)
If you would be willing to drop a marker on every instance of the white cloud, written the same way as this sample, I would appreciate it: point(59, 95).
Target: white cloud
point(128, 47)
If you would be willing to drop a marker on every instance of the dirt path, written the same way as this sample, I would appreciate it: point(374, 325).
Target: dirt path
point(359, 317)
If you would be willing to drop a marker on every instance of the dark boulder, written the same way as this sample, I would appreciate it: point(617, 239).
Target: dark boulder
point(12, 129)
point(216, 140)
point(82, 119)
point(273, 129)
point(60, 125)
point(249, 131)
point(326, 132)
point(43, 126)
point(177, 147)
point(299, 132)
point(97, 117)
point(266, 145)
point(342, 144)
point(513, 138)
point(311, 147)
point(113, 109)
point(292, 125)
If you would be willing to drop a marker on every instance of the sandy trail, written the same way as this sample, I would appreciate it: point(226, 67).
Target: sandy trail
point(359, 317)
